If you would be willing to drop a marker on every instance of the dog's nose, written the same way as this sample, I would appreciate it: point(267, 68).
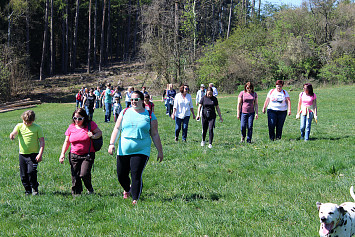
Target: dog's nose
point(323, 219)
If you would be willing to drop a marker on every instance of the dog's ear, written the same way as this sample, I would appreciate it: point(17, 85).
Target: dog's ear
point(318, 205)
point(342, 210)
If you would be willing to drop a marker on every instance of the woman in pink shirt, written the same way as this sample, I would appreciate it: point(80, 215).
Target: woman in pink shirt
point(247, 109)
point(82, 152)
point(307, 110)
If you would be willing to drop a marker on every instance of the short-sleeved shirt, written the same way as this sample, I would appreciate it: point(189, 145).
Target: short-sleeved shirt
point(209, 104)
point(149, 106)
point(248, 101)
point(183, 105)
point(128, 96)
point(118, 95)
point(277, 100)
point(90, 102)
point(135, 133)
point(79, 139)
point(108, 96)
point(28, 138)
point(116, 108)
point(97, 93)
point(307, 100)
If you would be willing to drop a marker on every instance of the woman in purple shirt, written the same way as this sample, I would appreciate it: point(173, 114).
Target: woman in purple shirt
point(247, 109)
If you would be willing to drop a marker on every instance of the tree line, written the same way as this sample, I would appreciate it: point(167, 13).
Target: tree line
point(223, 41)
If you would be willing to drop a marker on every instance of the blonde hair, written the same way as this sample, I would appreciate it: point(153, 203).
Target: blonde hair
point(28, 116)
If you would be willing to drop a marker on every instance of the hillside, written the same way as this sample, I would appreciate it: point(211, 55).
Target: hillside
point(62, 88)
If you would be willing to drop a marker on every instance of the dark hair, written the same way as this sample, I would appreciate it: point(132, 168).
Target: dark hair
point(181, 89)
point(250, 85)
point(209, 89)
point(309, 88)
point(82, 113)
point(140, 95)
point(146, 96)
point(28, 116)
point(280, 82)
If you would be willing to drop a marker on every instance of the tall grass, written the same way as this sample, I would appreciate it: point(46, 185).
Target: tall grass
point(260, 189)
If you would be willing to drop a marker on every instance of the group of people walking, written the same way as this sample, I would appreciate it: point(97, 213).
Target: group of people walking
point(136, 126)
point(277, 105)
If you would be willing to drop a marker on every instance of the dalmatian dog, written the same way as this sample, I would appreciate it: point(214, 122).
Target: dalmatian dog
point(337, 221)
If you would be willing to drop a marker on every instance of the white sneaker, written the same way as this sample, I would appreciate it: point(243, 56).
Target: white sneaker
point(203, 143)
point(209, 145)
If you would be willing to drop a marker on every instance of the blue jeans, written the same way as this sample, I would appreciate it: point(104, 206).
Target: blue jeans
point(306, 126)
point(108, 107)
point(88, 112)
point(185, 125)
point(276, 119)
point(128, 104)
point(78, 103)
point(169, 106)
point(97, 104)
point(246, 121)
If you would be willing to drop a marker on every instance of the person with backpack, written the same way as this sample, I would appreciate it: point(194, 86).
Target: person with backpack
point(307, 110)
point(247, 110)
point(79, 99)
point(138, 127)
point(79, 136)
point(278, 103)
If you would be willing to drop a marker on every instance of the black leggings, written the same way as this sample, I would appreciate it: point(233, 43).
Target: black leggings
point(134, 163)
point(208, 123)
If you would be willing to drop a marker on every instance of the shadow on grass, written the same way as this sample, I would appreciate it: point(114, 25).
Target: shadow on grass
point(194, 197)
point(328, 138)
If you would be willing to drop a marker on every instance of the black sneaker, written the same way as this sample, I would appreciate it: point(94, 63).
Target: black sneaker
point(176, 139)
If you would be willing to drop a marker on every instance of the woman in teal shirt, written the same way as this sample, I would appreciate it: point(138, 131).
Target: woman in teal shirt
point(138, 128)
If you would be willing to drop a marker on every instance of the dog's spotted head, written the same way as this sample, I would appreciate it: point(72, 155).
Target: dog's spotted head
point(330, 215)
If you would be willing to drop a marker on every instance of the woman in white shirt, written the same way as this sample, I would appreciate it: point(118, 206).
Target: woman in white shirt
point(182, 110)
point(277, 103)
point(128, 93)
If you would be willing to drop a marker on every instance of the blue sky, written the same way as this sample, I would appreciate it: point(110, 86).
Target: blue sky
point(295, 3)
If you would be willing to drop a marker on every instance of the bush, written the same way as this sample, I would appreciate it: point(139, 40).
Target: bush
point(339, 70)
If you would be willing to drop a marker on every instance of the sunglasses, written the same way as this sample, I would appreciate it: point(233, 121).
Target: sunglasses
point(79, 119)
point(135, 99)
point(186, 88)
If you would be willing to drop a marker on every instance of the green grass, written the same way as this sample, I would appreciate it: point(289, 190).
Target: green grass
point(260, 189)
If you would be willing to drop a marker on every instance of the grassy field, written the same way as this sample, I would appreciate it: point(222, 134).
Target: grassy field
point(260, 189)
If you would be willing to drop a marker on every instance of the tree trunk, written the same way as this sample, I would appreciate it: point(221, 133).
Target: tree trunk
point(66, 35)
point(259, 10)
point(28, 62)
point(176, 42)
point(108, 36)
point(195, 29)
point(136, 29)
point(41, 77)
point(95, 36)
point(252, 9)
point(9, 30)
point(75, 34)
point(89, 39)
point(51, 69)
point(229, 19)
point(102, 35)
point(128, 32)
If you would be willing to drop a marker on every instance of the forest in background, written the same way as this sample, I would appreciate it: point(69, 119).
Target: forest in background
point(227, 42)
